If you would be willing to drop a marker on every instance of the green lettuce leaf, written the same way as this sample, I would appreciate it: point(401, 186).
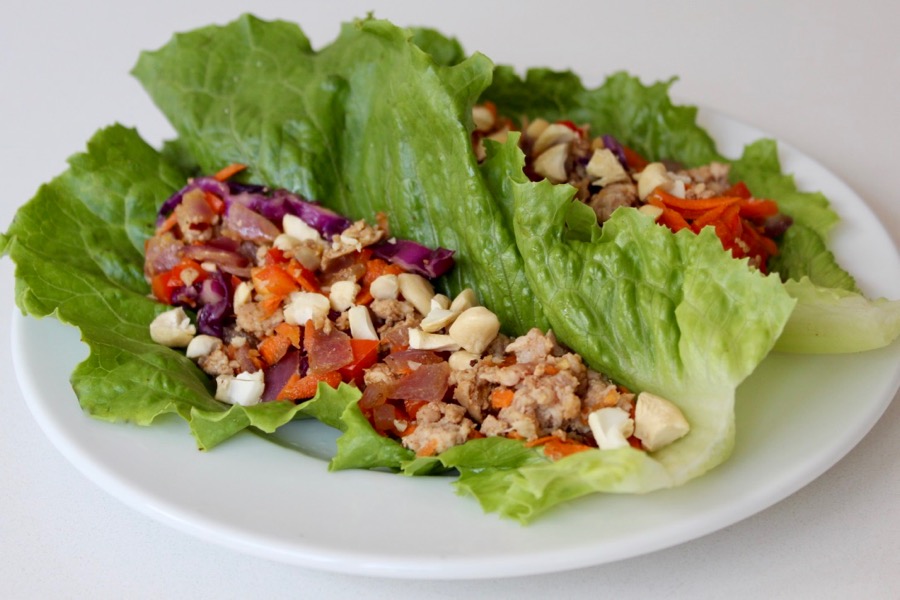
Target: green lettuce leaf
point(656, 311)
point(672, 314)
point(78, 248)
point(832, 319)
point(388, 134)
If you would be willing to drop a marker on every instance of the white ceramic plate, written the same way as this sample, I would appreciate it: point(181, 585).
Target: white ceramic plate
point(796, 417)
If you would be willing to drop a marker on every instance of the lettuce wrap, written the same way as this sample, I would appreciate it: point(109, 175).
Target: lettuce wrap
point(671, 314)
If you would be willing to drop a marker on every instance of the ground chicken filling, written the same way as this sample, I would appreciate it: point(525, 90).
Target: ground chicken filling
point(608, 175)
point(288, 296)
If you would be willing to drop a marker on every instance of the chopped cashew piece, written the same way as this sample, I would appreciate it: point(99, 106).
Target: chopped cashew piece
point(605, 168)
point(465, 300)
point(306, 306)
point(475, 329)
point(439, 342)
point(536, 128)
point(650, 210)
point(172, 328)
point(653, 176)
point(658, 422)
point(462, 360)
point(202, 345)
point(611, 427)
point(343, 295)
point(243, 293)
point(244, 388)
point(417, 290)
point(553, 135)
point(297, 228)
point(552, 163)
point(440, 301)
point(437, 319)
point(361, 326)
point(385, 287)
point(483, 118)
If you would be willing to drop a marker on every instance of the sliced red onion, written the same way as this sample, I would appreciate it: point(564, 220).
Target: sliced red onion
point(216, 296)
point(207, 184)
point(415, 257)
point(250, 224)
point(277, 376)
point(218, 256)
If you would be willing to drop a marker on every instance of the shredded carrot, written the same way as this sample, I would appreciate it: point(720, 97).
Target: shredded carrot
point(229, 171)
point(216, 204)
point(274, 347)
point(291, 332)
point(550, 370)
point(540, 441)
point(270, 304)
point(301, 388)
point(501, 397)
point(167, 225)
point(557, 448)
point(428, 449)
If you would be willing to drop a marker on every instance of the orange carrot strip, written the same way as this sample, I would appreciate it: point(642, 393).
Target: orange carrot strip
point(540, 441)
point(558, 449)
point(502, 397)
point(170, 223)
point(758, 209)
point(229, 171)
point(708, 217)
point(273, 348)
point(291, 332)
point(673, 220)
point(270, 304)
point(215, 203)
point(301, 388)
point(694, 205)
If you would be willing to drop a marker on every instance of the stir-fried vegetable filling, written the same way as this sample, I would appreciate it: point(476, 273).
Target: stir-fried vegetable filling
point(608, 175)
point(289, 296)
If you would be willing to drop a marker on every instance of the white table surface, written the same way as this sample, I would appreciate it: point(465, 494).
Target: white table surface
point(824, 76)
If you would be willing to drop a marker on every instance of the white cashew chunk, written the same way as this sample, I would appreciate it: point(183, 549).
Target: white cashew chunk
point(244, 388)
point(343, 295)
point(611, 427)
point(417, 290)
point(306, 306)
point(553, 135)
point(361, 327)
point(440, 301)
point(605, 168)
point(298, 229)
point(552, 163)
point(652, 211)
point(437, 319)
point(172, 328)
point(658, 422)
point(465, 300)
point(439, 342)
point(653, 176)
point(536, 128)
point(475, 329)
point(483, 118)
point(202, 345)
point(462, 360)
point(385, 287)
point(243, 293)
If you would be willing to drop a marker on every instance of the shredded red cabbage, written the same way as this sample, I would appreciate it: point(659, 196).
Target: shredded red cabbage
point(415, 257)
